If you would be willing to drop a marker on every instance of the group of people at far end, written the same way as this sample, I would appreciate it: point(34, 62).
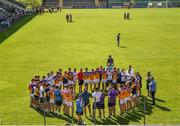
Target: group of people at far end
point(126, 15)
point(69, 18)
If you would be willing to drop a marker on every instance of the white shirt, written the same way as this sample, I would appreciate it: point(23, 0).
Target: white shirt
point(123, 76)
point(109, 75)
point(75, 75)
point(50, 80)
point(96, 95)
point(131, 72)
point(41, 92)
point(128, 76)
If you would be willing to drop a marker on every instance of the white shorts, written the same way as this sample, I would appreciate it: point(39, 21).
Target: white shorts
point(96, 81)
point(128, 98)
point(91, 81)
point(138, 94)
point(51, 101)
point(114, 81)
point(69, 104)
point(75, 81)
point(60, 83)
point(86, 81)
point(70, 82)
point(32, 95)
point(125, 100)
point(134, 95)
point(104, 80)
point(65, 102)
point(66, 84)
point(122, 101)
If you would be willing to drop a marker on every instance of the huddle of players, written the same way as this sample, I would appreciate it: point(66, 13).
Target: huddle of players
point(60, 89)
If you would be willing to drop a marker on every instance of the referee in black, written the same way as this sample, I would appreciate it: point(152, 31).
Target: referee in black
point(118, 39)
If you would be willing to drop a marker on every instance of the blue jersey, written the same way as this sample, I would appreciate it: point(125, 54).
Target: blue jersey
point(86, 95)
point(57, 94)
point(79, 105)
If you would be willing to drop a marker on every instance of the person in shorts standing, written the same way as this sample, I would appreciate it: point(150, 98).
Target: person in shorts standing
point(79, 108)
point(86, 78)
point(86, 99)
point(112, 101)
point(148, 81)
point(58, 99)
point(101, 104)
point(80, 80)
point(96, 95)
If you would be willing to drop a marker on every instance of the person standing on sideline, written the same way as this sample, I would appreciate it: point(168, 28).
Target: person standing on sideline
point(118, 39)
point(148, 81)
point(67, 17)
point(152, 89)
point(125, 16)
point(70, 17)
point(128, 15)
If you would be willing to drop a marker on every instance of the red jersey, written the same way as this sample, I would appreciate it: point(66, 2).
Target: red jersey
point(80, 76)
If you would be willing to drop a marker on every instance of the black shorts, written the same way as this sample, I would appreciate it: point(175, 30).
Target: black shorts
point(80, 82)
point(36, 97)
point(118, 81)
point(109, 81)
point(110, 104)
point(122, 82)
point(65, 81)
point(86, 104)
point(147, 87)
point(96, 104)
point(79, 113)
point(58, 103)
point(47, 98)
point(41, 100)
point(101, 106)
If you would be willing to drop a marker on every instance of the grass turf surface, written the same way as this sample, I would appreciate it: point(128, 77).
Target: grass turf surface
point(150, 41)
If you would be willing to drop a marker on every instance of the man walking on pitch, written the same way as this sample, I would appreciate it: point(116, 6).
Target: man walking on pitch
point(118, 39)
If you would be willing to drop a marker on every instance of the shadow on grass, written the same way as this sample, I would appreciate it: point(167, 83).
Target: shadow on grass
point(15, 27)
point(53, 115)
point(133, 115)
point(123, 47)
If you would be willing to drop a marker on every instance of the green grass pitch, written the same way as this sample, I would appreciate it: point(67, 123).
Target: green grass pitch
point(150, 41)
